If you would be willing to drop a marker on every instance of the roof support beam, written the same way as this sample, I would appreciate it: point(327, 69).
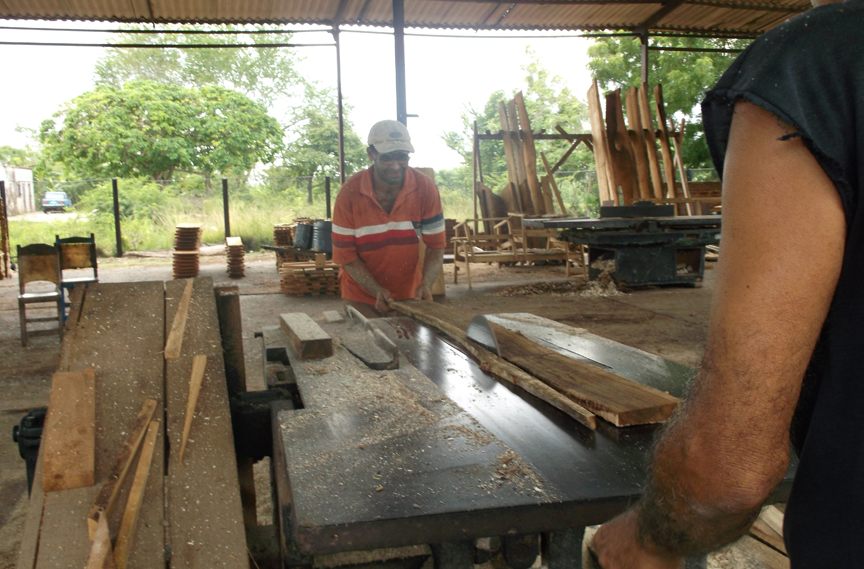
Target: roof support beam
point(668, 7)
point(399, 37)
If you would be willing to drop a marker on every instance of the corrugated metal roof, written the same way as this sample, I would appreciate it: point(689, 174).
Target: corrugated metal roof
point(698, 16)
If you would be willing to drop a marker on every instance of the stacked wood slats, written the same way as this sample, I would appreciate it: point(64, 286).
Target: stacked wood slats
point(236, 256)
point(187, 239)
point(626, 154)
point(283, 236)
point(318, 278)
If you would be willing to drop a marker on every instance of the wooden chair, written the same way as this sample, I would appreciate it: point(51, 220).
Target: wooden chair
point(545, 244)
point(76, 253)
point(470, 246)
point(38, 262)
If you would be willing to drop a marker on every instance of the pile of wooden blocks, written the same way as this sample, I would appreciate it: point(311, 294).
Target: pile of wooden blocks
point(626, 153)
point(319, 278)
point(236, 256)
point(187, 239)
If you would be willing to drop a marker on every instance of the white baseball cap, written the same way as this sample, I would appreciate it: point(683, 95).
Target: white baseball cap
point(390, 136)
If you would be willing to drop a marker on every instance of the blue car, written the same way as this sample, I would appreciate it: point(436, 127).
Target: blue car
point(55, 201)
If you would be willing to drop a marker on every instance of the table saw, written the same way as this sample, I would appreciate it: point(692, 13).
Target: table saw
point(440, 452)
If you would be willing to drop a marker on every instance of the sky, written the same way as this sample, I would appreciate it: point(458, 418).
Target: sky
point(444, 76)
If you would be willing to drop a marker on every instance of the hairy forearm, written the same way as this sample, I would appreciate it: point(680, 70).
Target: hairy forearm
point(432, 266)
point(362, 276)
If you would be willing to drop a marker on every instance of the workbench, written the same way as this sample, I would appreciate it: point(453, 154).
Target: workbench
point(645, 250)
point(439, 452)
point(191, 515)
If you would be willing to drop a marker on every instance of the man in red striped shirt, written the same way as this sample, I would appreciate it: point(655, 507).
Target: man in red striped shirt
point(378, 219)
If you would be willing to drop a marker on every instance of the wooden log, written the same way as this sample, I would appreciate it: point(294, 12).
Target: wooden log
point(637, 141)
point(199, 364)
point(136, 496)
point(69, 436)
point(650, 141)
point(101, 553)
point(519, 158)
point(620, 149)
point(431, 314)
point(529, 154)
point(668, 167)
point(308, 339)
point(175, 336)
point(598, 133)
point(512, 168)
point(551, 174)
point(110, 490)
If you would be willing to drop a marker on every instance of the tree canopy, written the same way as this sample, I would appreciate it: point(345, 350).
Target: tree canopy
point(149, 129)
point(686, 76)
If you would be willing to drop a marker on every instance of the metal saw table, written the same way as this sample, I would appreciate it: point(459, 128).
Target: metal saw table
point(381, 459)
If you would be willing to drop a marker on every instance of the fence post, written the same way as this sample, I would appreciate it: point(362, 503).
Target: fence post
point(225, 207)
point(5, 228)
point(327, 194)
point(117, 235)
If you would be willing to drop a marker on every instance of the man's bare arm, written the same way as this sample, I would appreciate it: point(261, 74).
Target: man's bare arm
point(362, 276)
point(432, 264)
point(781, 254)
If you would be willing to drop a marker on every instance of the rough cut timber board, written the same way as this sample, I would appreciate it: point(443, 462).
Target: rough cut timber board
point(512, 171)
point(70, 432)
point(650, 141)
point(668, 167)
point(620, 149)
point(529, 155)
point(221, 541)
point(519, 158)
point(121, 333)
point(601, 152)
point(309, 340)
point(637, 140)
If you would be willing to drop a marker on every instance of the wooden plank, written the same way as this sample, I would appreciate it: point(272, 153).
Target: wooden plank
point(175, 336)
point(231, 333)
point(763, 532)
point(576, 139)
point(529, 154)
point(136, 495)
point(121, 333)
point(452, 322)
point(199, 364)
point(664, 141)
point(221, 541)
point(598, 133)
point(76, 301)
point(650, 141)
point(309, 340)
point(30, 535)
point(748, 552)
point(519, 158)
point(512, 169)
point(110, 490)
point(101, 554)
point(681, 173)
point(620, 149)
point(637, 141)
point(69, 436)
point(551, 174)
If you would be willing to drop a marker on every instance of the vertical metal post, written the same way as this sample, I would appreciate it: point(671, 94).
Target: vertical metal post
point(5, 237)
point(643, 37)
point(117, 235)
point(225, 207)
point(327, 195)
point(3, 197)
point(399, 37)
point(339, 104)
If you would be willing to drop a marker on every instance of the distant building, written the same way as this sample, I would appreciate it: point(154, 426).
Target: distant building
point(19, 189)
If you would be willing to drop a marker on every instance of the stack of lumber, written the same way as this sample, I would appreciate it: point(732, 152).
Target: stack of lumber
point(625, 152)
point(283, 235)
point(581, 390)
point(236, 256)
point(187, 239)
point(318, 278)
point(109, 473)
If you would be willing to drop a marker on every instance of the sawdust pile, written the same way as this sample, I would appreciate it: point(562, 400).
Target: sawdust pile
point(604, 285)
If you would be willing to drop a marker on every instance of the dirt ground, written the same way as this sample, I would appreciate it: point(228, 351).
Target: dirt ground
point(670, 321)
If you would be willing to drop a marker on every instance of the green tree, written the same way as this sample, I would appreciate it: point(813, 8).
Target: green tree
point(148, 129)
point(18, 156)
point(616, 63)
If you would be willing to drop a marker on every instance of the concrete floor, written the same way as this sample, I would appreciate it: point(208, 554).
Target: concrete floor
point(671, 322)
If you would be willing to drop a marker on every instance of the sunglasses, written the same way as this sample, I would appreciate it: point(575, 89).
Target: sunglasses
point(390, 157)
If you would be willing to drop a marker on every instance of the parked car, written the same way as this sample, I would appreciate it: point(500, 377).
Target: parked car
point(55, 201)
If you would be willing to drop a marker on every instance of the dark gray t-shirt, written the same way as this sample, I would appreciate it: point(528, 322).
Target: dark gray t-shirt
point(809, 72)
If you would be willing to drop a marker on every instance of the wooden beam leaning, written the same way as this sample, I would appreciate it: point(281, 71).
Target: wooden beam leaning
point(512, 170)
point(650, 141)
point(431, 314)
point(637, 141)
point(679, 159)
point(199, 364)
point(104, 504)
point(529, 154)
point(308, 339)
point(519, 158)
point(101, 553)
point(598, 133)
point(175, 336)
point(668, 167)
point(620, 149)
point(70, 432)
point(136, 496)
point(551, 175)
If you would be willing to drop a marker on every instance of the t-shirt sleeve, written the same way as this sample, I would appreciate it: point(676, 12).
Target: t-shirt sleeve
point(810, 74)
point(344, 231)
point(432, 217)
